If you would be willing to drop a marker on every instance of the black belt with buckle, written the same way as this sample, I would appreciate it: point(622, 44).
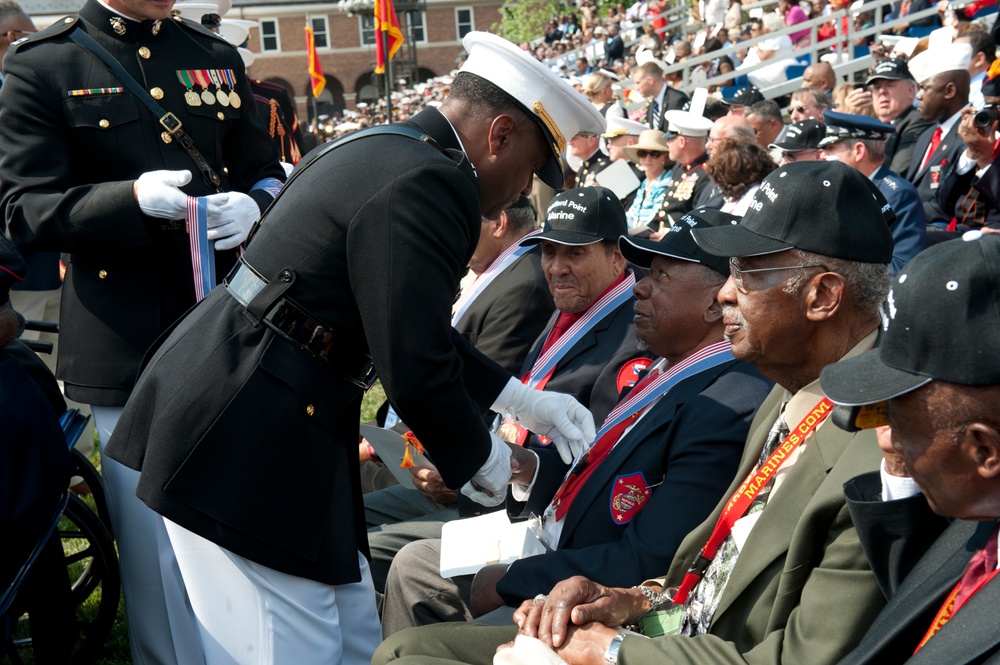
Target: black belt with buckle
point(297, 325)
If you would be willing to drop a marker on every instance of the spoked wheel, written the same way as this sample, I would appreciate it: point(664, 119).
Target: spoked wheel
point(83, 468)
point(95, 585)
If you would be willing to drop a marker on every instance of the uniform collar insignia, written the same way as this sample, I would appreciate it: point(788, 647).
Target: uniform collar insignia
point(118, 25)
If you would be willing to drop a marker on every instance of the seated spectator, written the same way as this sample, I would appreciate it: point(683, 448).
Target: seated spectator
point(820, 76)
point(726, 127)
point(651, 154)
point(744, 97)
point(939, 393)
point(734, 15)
point(598, 87)
point(808, 103)
point(859, 141)
point(649, 38)
point(801, 142)
point(984, 51)
point(719, 65)
point(800, 297)
point(792, 14)
point(622, 133)
point(737, 167)
point(840, 101)
point(768, 126)
point(682, 448)
point(776, 50)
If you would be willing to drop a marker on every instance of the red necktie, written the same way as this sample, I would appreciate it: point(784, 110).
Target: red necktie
point(935, 142)
point(982, 565)
point(562, 324)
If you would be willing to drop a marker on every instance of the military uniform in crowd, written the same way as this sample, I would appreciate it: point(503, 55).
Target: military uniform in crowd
point(278, 113)
point(586, 174)
point(72, 140)
point(689, 180)
point(77, 151)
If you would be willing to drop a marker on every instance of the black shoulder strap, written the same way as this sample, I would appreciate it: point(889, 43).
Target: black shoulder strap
point(168, 120)
point(315, 155)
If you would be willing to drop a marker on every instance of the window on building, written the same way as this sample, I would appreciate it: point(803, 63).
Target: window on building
point(464, 21)
point(367, 28)
point(321, 30)
point(416, 22)
point(269, 39)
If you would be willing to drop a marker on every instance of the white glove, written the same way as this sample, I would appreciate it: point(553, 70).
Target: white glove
point(288, 168)
point(229, 224)
point(554, 415)
point(158, 195)
point(494, 476)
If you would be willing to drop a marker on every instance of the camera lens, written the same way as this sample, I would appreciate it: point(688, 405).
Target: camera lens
point(983, 118)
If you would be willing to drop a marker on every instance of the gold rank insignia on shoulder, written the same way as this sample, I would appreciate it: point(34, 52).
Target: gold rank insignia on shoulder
point(118, 25)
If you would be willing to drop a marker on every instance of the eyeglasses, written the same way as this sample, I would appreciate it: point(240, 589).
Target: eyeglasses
point(643, 154)
point(585, 135)
point(737, 273)
point(797, 109)
point(792, 156)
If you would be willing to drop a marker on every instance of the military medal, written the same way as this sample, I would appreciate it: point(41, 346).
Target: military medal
point(220, 94)
point(187, 80)
point(118, 25)
point(201, 76)
point(234, 98)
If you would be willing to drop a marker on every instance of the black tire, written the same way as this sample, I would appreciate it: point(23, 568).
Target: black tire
point(83, 468)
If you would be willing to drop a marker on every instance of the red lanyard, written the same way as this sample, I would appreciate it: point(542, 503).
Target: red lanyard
point(948, 609)
point(739, 503)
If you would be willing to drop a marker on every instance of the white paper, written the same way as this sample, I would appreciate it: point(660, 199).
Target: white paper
point(619, 178)
point(390, 448)
point(471, 544)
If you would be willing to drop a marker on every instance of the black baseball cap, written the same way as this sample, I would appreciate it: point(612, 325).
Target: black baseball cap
point(582, 216)
point(891, 68)
point(943, 312)
point(12, 269)
point(824, 207)
point(677, 242)
point(746, 96)
point(802, 135)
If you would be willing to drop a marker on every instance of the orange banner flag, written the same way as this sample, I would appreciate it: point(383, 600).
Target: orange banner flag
point(315, 68)
point(386, 27)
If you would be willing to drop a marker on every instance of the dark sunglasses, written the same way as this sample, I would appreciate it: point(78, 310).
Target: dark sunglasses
point(655, 154)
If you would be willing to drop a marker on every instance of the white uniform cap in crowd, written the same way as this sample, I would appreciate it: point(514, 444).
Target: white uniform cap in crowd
point(949, 58)
point(684, 123)
point(236, 30)
point(644, 55)
point(560, 111)
point(247, 55)
point(624, 127)
point(193, 11)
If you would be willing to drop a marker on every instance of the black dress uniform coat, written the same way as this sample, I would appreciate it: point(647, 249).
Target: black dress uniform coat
point(919, 559)
point(586, 174)
point(73, 140)
point(687, 447)
point(673, 100)
point(371, 240)
point(686, 187)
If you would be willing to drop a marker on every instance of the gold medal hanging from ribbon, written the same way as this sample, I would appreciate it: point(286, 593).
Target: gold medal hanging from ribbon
point(201, 77)
point(234, 98)
point(221, 95)
point(186, 78)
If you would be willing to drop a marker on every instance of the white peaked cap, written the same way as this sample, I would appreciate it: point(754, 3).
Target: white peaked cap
point(550, 101)
point(950, 58)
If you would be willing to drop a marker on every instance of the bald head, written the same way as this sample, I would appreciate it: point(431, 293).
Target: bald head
point(819, 75)
point(729, 127)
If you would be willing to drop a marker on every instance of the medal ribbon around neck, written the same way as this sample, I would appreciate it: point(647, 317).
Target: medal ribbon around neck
point(507, 257)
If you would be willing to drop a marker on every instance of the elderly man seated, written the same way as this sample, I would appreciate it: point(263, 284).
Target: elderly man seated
point(674, 439)
point(777, 573)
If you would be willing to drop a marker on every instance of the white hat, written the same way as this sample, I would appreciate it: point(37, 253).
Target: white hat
point(684, 123)
point(624, 127)
point(644, 55)
point(950, 58)
point(559, 110)
point(236, 30)
point(195, 10)
point(247, 55)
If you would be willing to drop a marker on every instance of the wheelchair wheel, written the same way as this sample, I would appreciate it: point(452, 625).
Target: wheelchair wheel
point(83, 468)
point(95, 585)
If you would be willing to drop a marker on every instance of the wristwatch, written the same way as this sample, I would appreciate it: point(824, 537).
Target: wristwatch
point(611, 655)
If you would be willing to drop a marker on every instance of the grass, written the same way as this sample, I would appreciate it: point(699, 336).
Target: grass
point(116, 648)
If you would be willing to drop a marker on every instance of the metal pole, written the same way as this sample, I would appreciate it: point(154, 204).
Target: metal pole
point(388, 77)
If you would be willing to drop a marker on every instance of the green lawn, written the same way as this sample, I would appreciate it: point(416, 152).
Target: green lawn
point(116, 649)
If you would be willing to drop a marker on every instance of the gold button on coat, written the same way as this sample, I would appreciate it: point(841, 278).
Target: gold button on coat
point(103, 274)
point(222, 116)
point(156, 94)
point(104, 123)
point(310, 409)
point(144, 53)
point(166, 137)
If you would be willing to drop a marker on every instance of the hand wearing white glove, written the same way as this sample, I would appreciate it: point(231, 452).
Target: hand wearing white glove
point(288, 168)
point(229, 224)
point(554, 415)
point(489, 486)
point(158, 193)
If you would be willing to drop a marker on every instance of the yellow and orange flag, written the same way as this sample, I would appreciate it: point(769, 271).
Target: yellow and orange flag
point(386, 27)
point(315, 68)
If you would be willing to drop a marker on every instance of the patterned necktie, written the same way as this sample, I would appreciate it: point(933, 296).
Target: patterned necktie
point(935, 142)
point(654, 117)
point(705, 597)
point(981, 565)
